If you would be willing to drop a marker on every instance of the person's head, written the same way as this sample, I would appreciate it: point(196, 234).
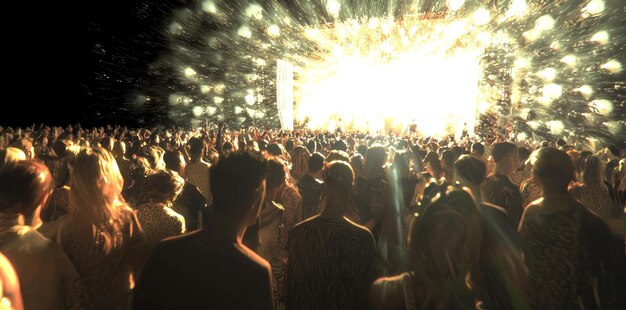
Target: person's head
point(592, 171)
point(311, 146)
point(11, 155)
point(340, 145)
point(274, 149)
point(24, 188)
point(96, 194)
point(553, 169)
point(478, 149)
point(338, 155)
point(356, 162)
point(505, 154)
point(400, 166)
point(433, 166)
point(163, 186)
point(238, 185)
point(299, 158)
point(276, 177)
point(154, 155)
point(560, 143)
point(470, 171)
point(524, 154)
point(289, 145)
point(375, 159)
point(196, 147)
point(445, 239)
point(316, 163)
point(174, 161)
point(338, 183)
point(361, 149)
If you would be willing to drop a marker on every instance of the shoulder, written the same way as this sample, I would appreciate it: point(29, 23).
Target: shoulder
point(388, 293)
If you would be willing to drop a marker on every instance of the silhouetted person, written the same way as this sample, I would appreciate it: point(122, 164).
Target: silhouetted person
point(499, 189)
point(211, 268)
point(568, 250)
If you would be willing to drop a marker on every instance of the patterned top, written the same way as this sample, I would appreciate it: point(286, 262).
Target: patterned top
point(501, 192)
point(331, 265)
point(531, 191)
point(520, 176)
point(311, 191)
point(47, 278)
point(273, 240)
point(107, 277)
point(567, 249)
point(595, 197)
point(289, 197)
point(159, 222)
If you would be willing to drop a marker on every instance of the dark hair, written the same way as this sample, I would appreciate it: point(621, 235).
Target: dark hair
point(316, 162)
point(25, 183)
point(235, 177)
point(338, 155)
point(524, 153)
point(311, 146)
point(470, 168)
point(362, 149)
point(196, 146)
point(478, 148)
point(340, 145)
point(163, 186)
point(173, 160)
point(276, 174)
point(274, 149)
point(560, 142)
point(553, 168)
point(339, 176)
point(289, 145)
point(502, 150)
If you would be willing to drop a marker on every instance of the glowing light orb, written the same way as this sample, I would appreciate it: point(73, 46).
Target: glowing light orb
point(594, 7)
point(545, 22)
point(556, 127)
point(569, 60)
point(197, 111)
point(482, 16)
point(585, 90)
point(600, 37)
point(273, 31)
point(189, 73)
point(333, 7)
point(601, 106)
point(455, 5)
point(517, 8)
point(612, 66)
point(547, 74)
point(209, 6)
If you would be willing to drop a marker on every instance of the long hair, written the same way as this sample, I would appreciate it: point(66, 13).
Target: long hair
point(96, 195)
point(592, 171)
point(444, 246)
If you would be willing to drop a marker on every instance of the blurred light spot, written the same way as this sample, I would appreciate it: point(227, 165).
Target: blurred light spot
point(205, 89)
point(255, 11)
point(175, 28)
point(190, 73)
point(522, 136)
point(273, 31)
point(238, 110)
point(250, 99)
point(532, 35)
point(209, 6)
point(211, 110)
point(585, 90)
point(612, 66)
point(552, 91)
point(455, 5)
point(174, 99)
point(569, 60)
point(545, 22)
point(547, 74)
point(517, 8)
point(333, 7)
point(556, 127)
point(601, 106)
point(593, 8)
point(614, 127)
point(197, 111)
point(533, 125)
point(218, 100)
point(245, 32)
point(481, 16)
point(601, 37)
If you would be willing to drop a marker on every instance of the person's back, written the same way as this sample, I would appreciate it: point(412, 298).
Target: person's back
point(199, 270)
point(310, 186)
point(211, 268)
point(499, 189)
point(331, 262)
point(568, 250)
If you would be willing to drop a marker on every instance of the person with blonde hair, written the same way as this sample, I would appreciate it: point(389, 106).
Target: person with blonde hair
point(592, 192)
point(47, 278)
point(101, 234)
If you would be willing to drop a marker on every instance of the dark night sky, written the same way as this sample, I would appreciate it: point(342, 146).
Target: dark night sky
point(64, 58)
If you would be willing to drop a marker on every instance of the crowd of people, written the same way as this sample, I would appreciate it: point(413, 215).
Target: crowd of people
point(179, 218)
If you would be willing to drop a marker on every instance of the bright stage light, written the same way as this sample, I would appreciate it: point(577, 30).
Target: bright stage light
point(390, 83)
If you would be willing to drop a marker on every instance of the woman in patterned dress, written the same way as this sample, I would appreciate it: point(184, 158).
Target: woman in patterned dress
point(157, 218)
point(592, 192)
